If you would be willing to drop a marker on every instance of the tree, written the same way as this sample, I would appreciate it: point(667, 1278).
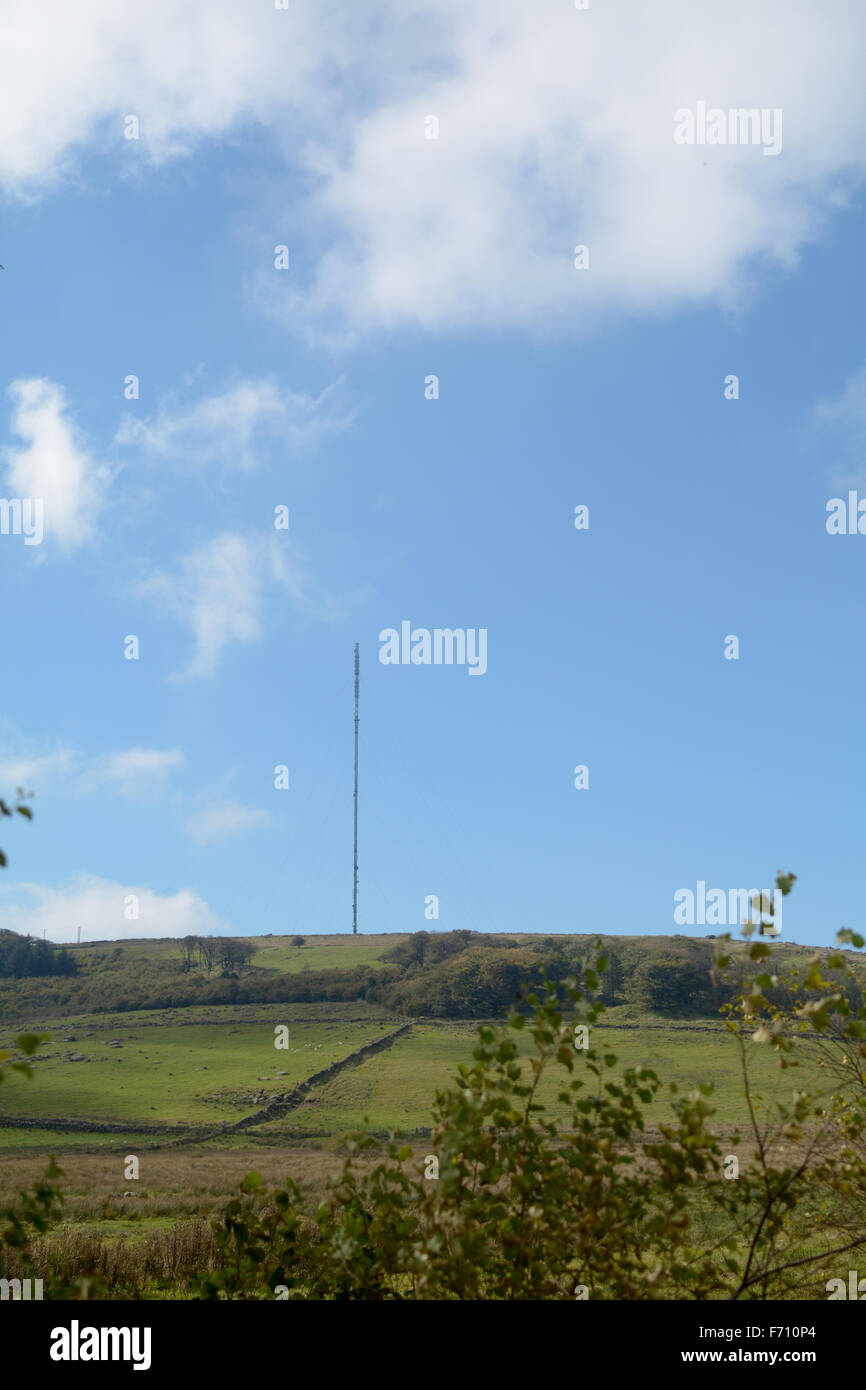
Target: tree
point(189, 945)
point(299, 941)
point(666, 984)
point(207, 950)
point(612, 980)
point(418, 943)
point(244, 952)
point(24, 957)
point(226, 947)
point(233, 955)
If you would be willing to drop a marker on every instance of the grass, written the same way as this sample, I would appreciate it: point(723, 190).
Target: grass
point(393, 1089)
point(191, 1181)
point(153, 1244)
point(205, 1066)
point(338, 951)
point(341, 952)
point(192, 1073)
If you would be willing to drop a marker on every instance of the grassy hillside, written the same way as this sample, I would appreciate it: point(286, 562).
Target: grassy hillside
point(338, 952)
point(392, 1091)
point(437, 974)
point(193, 1074)
point(195, 1068)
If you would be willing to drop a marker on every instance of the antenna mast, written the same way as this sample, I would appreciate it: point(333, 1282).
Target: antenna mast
point(355, 887)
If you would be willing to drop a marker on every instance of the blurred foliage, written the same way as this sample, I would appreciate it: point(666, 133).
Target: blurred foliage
point(18, 807)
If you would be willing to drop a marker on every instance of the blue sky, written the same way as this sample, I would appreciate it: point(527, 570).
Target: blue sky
point(154, 778)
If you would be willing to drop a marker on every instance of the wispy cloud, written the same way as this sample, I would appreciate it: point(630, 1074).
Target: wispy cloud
point(135, 771)
point(44, 769)
point(844, 417)
point(219, 590)
point(131, 772)
point(232, 426)
point(224, 820)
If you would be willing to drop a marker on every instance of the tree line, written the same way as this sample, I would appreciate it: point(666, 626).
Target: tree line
point(22, 957)
point(225, 953)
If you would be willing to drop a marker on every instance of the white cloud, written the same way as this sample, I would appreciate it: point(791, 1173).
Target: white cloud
point(99, 905)
point(225, 820)
point(556, 128)
point(230, 426)
point(69, 76)
point(32, 770)
point(132, 772)
point(136, 771)
point(219, 590)
point(54, 465)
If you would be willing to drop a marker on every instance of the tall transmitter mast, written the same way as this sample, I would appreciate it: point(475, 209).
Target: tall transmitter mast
point(355, 887)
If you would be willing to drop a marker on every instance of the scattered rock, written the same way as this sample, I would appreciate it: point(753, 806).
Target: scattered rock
point(77, 1057)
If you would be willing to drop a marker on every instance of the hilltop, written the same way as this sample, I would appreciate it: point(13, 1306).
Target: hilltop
point(458, 975)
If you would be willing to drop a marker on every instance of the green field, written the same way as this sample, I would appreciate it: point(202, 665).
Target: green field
point(341, 952)
point(204, 1067)
point(394, 1089)
point(191, 1072)
point(163, 1075)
